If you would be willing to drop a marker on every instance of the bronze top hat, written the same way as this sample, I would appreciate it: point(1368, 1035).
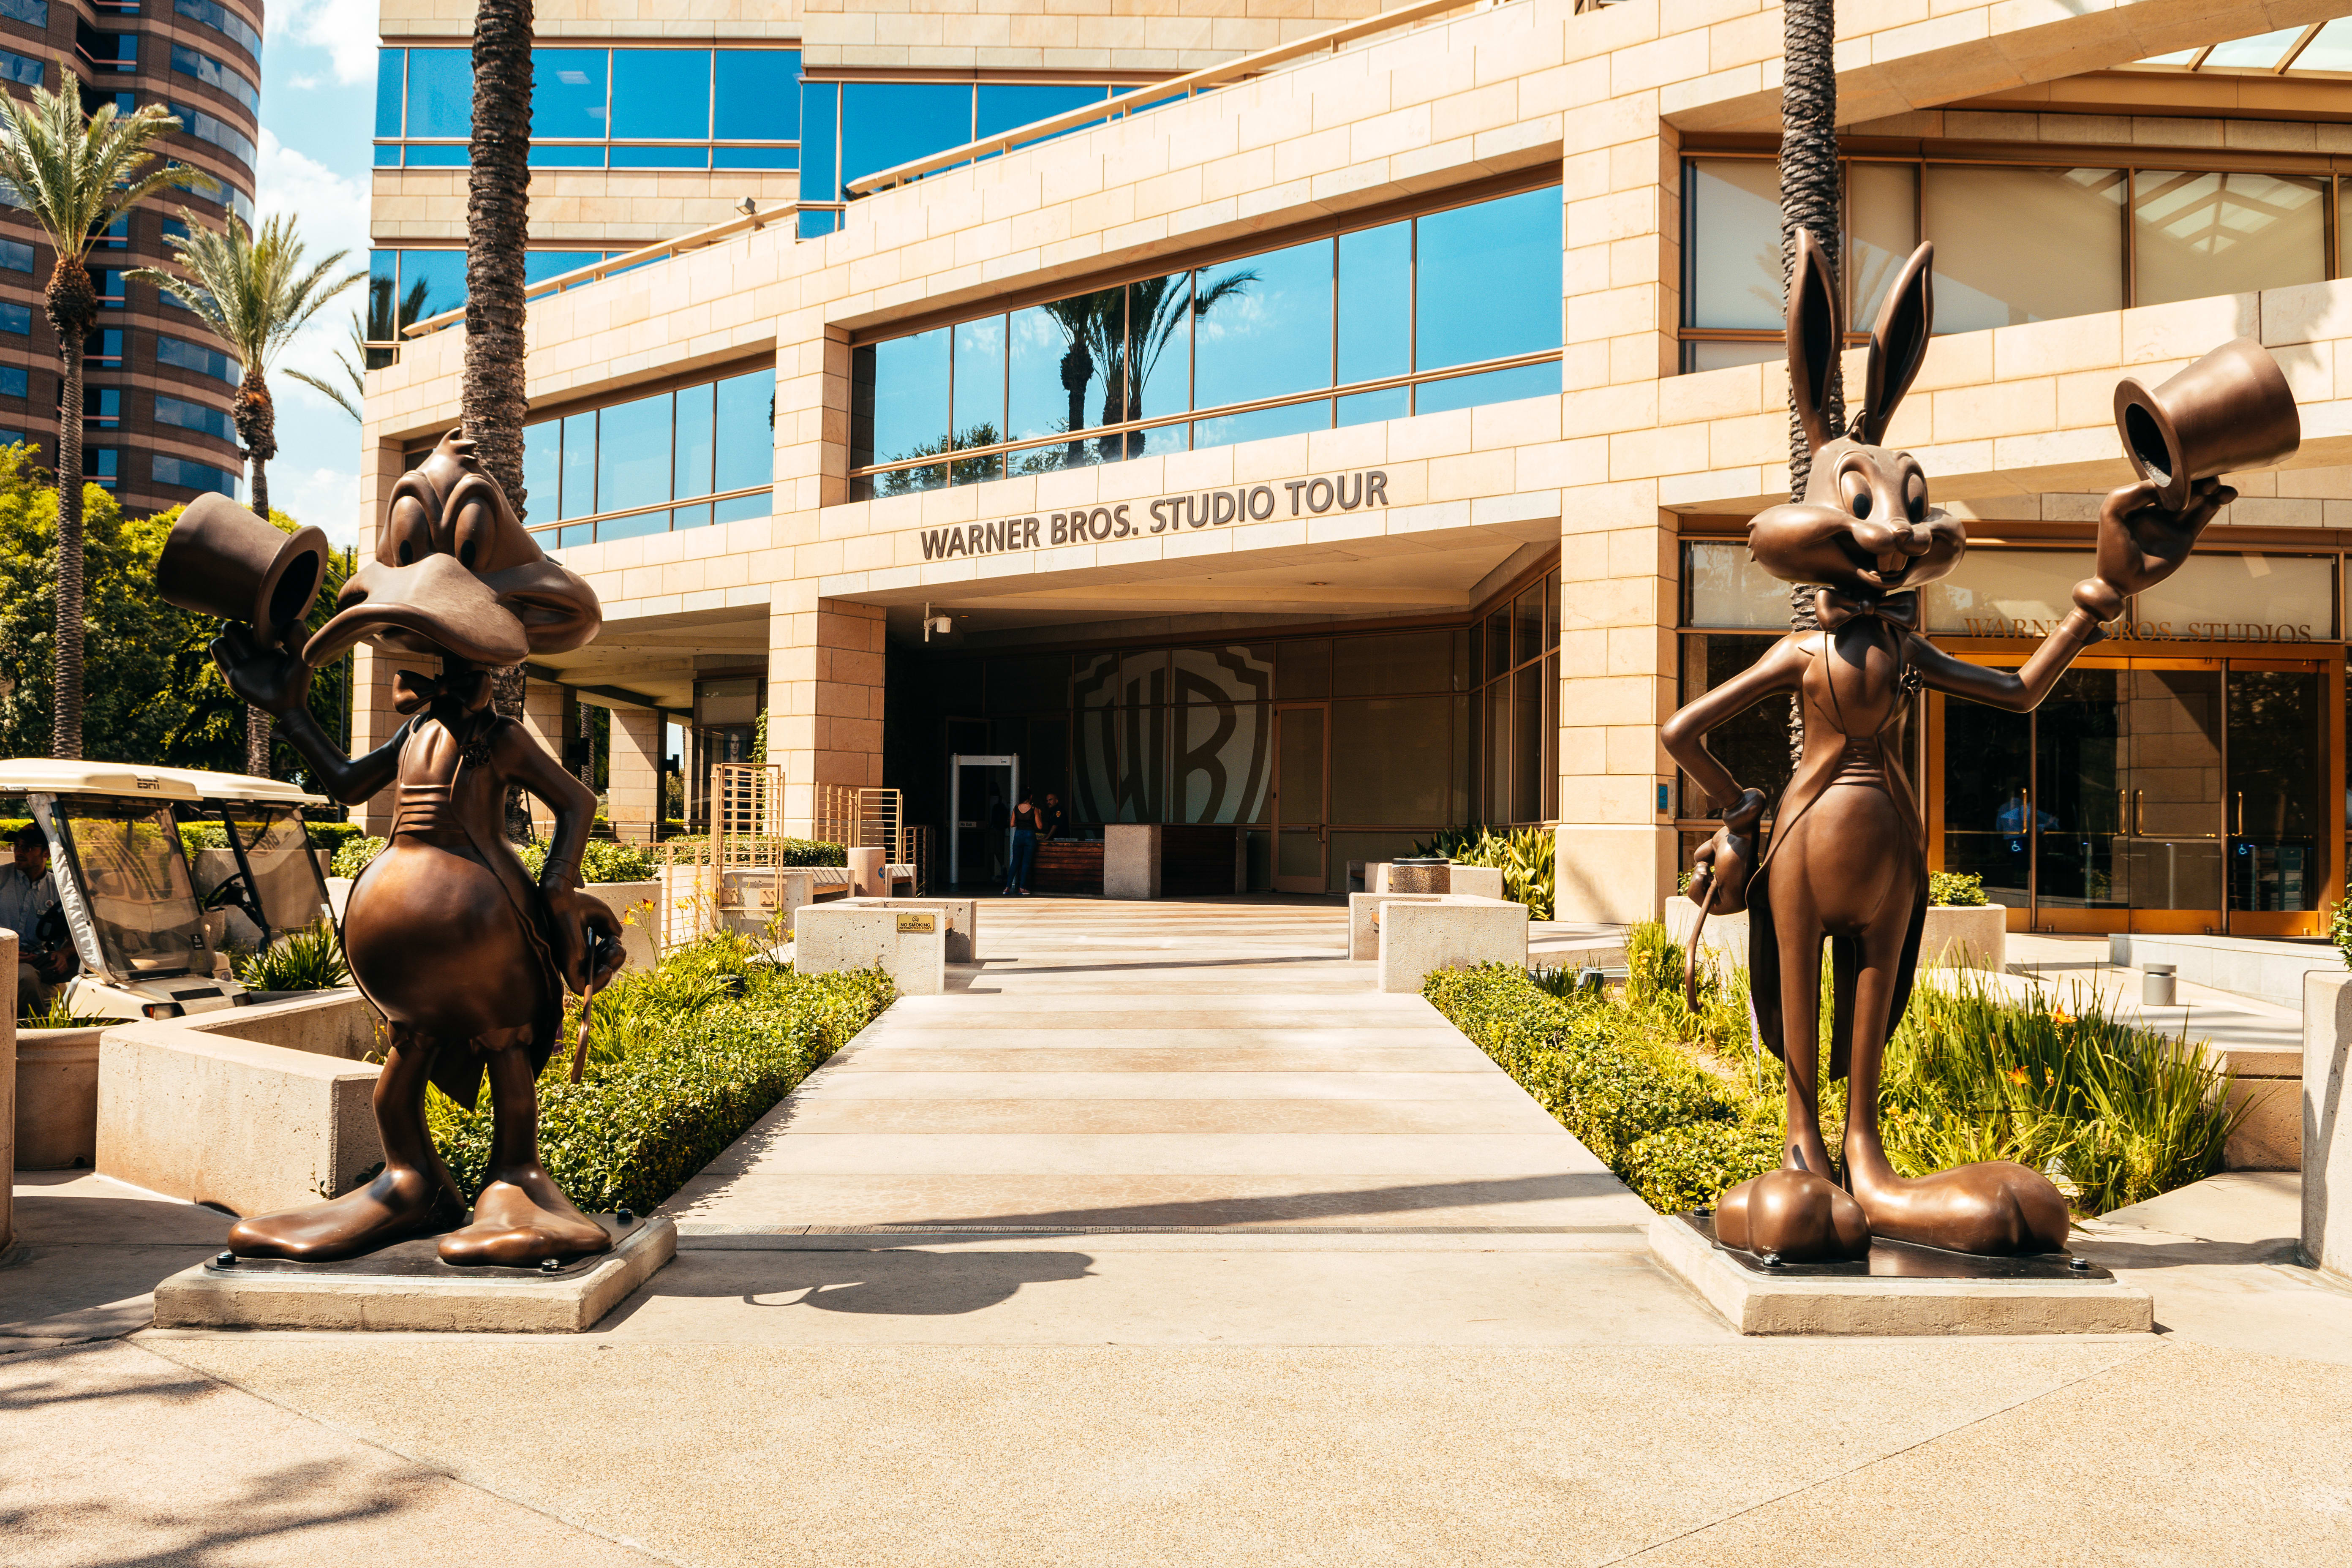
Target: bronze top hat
point(221, 559)
point(2229, 411)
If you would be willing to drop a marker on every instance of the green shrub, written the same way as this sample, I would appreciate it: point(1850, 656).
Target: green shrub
point(1525, 857)
point(601, 860)
point(1961, 889)
point(788, 851)
point(353, 857)
point(332, 836)
point(2340, 930)
point(200, 836)
point(311, 959)
point(680, 1066)
point(1686, 1166)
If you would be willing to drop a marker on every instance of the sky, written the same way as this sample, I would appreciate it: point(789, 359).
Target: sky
point(318, 105)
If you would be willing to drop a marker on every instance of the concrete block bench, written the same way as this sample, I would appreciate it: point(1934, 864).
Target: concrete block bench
point(910, 945)
point(1478, 882)
point(1418, 935)
point(960, 916)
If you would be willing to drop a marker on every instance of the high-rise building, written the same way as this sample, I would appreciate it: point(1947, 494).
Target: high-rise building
point(1355, 441)
point(156, 427)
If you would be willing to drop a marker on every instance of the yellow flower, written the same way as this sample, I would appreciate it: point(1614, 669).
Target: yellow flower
point(2014, 1075)
point(2059, 1015)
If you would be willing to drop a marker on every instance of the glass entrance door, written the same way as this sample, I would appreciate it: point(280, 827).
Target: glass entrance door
point(2152, 794)
point(1301, 797)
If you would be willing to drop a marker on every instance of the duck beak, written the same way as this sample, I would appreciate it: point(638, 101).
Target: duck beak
point(432, 606)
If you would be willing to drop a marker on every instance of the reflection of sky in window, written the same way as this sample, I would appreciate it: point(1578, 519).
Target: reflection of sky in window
point(911, 404)
point(390, 83)
point(567, 93)
point(759, 95)
point(2330, 52)
point(2023, 245)
point(887, 123)
point(440, 92)
point(1487, 281)
point(579, 465)
point(1043, 338)
point(633, 454)
point(1376, 302)
point(1727, 589)
point(690, 470)
point(980, 382)
point(661, 93)
point(1005, 107)
point(1273, 338)
point(540, 454)
point(2214, 212)
point(442, 273)
point(746, 439)
point(1161, 308)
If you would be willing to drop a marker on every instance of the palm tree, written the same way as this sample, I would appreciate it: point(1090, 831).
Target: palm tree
point(74, 174)
point(255, 294)
point(494, 396)
point(1157, 307)
point(1809, 200)
point(351, 395)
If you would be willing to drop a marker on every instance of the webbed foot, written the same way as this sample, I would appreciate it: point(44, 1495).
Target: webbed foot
point(401, 1202)
point(1995, 1209)
point(1796, 1214)
point(520, 1220)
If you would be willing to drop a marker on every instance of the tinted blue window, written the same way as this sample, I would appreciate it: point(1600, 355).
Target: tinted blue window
point(221, 20)
point(979, 408)
point(171, 351)
point(543, 474)
point(1370, 407)
point(633, 454)
point(1376, 302)
point(567, 93)
point(12, 438)
point(1292, 420)
point(907, 415)
point(440, 92)
point(539, 265)
point(1059, 359)
point(437, 157)
point(215, 130)
point(1003, 107)
point(106, 343)
point(1159, 322)
point(15, 318)
point(578, 465)
point(1493, 386)
point(100, 462)
point(16, 256)
point(17, 67)
point(820, 174)
point(1488, 280)
point(755, 158)
point(746, 444)
point(887, 123)
point(32, 13)
point(103, 405)
point(690, 459)
point(661, 157)
point(758, 95)
point(213, 74)
point(170, 410)
point(391, 82)
point(563, 155)
point(661, 93)
point(1265, 326)
point(816, 223)
point(15, 381)
point(387, 157)
point(441, 274)
point(190, 476)
point(635, 526)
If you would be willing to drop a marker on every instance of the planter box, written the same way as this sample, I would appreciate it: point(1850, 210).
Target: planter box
point(910, 945)
point(1954, 936)
point(2327, 1123)
point(1421, 934)
point(56, 1099)
point(636, 906)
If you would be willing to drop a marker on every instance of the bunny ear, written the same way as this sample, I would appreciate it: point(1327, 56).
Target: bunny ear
point(1899, 342)
point(1816, 333)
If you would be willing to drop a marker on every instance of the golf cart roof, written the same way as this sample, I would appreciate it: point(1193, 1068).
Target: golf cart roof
point(50, 775)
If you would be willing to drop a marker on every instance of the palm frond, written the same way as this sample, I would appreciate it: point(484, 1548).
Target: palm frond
point(251, 287)
point(74, 175)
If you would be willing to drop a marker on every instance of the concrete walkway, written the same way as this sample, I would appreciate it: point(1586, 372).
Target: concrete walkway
point(1104, 1304)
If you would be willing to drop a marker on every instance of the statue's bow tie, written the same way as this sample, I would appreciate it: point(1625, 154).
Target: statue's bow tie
point(469, 689)
point(1834, 609)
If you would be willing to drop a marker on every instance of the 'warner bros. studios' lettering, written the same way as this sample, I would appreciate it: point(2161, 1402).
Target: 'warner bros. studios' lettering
point(1162, 515)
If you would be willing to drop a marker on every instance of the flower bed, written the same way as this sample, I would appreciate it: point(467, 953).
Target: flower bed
point(683, 1058)
point(1680, 1106)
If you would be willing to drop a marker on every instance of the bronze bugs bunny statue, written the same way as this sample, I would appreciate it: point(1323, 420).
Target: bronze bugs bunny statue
point(1846, 859)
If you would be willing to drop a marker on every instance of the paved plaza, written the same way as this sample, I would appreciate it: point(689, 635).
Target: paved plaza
point(1163, 1238)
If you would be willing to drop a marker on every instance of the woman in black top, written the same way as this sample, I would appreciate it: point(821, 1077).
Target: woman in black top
point(1027, 821)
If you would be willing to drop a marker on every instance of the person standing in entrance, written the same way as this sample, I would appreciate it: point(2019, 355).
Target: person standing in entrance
point(1026, 822)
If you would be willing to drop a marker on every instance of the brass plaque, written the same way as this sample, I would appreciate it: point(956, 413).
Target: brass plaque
point(918, 925)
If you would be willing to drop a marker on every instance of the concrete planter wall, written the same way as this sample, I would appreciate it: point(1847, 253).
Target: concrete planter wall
point(636, 906)
point(56, 1099)
point(1954, 936)
point(2327, 1123)
point(2266, 968)
point(7, 1086)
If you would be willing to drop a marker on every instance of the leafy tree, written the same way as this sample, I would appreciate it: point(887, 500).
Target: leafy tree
point(74, 175)
point(154, 692)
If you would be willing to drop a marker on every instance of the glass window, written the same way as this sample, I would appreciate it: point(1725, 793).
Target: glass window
point(758, 95)
point(578, 465)
point(2195, 235)
point(432, 280)
point(1727, 589)
point(15, 318)
point(2261, 52)
point(1369, 407)
point(1734, 268)
point(690, 466)
point(539, 265)
point(746, 445)
point(978, 406)
point(1264, 424)
point(1160, 366)
point(1488, 387)
point(1376, 302)
point(179, 411)
point(1303, 668)
point(220, 133)
point(1060, 356)
point(193, 475)
point(32, 13)
point(1265, 326)
point(2023, 245)
point(212, 14)
point(213, 74)
point(661, 93)
point(440, 92)
point(2006, 593)
point(543, 466)
point(633, 455)
point(2330, 52)
point(2243, 595)
point(196, 357)
point(1003, 107)
point(755, 157)
point(1487, 279)
point(16, 381)
point(907, 409)
point(391, 83)
point(1389, 759)
point(1753, 744)
point(1390, 666)
point(1883, 212)
point(820, 172)
point(103, 405)
point(887, 123)
point(660, 157)
point(567, 93)
point(17, 68)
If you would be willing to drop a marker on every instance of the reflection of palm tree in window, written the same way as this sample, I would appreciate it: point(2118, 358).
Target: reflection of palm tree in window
point(1156, 309)
point(1092, 325)
point(966, 471)
point(382, 325)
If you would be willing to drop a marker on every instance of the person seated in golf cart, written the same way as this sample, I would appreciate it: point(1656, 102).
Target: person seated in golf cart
point(28, 906)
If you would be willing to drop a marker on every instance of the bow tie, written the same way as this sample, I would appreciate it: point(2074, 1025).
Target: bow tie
point(469, 690)
point(1834, 609)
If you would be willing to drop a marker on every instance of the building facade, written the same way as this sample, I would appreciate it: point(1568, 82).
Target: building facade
point(1354, 441)
point(157, 381)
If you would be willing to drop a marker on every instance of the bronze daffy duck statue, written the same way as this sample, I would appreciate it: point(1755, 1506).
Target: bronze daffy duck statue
point(1847, 858)
point(447, 936)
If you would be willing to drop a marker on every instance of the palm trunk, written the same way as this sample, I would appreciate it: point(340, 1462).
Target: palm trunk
point(256, 426)
point(66, 730)
point(497, 224)
point(1809, 200)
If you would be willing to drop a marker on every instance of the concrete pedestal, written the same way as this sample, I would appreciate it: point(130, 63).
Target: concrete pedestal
point(960, 918)
point(910, 945)
point(1419, 936)
point(2327, 1123)
point(637, 906)
point(1131, 860)
point(422, 1296)
point(1759, 1304)
point(7, 1085)
point(867, 877)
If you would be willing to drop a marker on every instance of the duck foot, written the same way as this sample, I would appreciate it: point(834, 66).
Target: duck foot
point(1796, 1214)
point(399, 1203)
point(1995, 1209)
point(520, 1220)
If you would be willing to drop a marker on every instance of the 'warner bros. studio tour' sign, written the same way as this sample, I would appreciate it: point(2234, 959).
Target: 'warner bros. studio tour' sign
point(1162, 515)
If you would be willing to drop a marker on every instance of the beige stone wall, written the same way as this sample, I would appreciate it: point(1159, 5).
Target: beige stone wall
point(678, 19)
point(596, 208)
point(633, 792)
point(2001, 419)
point(1061, 34)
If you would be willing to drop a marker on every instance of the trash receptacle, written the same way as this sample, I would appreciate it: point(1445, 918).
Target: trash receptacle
point(2156, 986)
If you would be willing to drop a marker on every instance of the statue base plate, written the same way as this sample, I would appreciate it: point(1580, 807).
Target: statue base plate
point(1901, 1288)
point(406, 1287)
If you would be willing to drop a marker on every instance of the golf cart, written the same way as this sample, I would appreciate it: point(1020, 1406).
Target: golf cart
point(124, 886)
